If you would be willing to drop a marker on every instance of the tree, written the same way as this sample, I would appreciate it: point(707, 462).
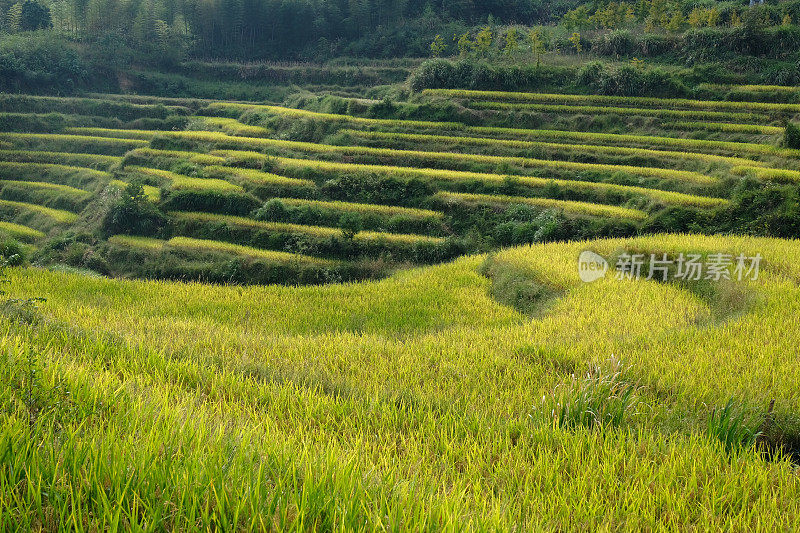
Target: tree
point(675, 22)
point(351, 224)
point(736, 20)
point(537, 45)
point(577, 18)
point(787, 20)
point(512, 41)
point(464, 44)
point(712, 15)
point(133, 214)
point(697, 18)
point(483, 41)
point(34, 16)
point(14, 18)
point(791, 137)
point(437, 46)
point(575, 39)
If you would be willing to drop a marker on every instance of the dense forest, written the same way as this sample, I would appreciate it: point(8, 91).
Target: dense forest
point(261, 28)
point(319, 29)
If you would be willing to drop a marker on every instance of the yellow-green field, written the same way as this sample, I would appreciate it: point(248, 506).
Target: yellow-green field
point(420, 402)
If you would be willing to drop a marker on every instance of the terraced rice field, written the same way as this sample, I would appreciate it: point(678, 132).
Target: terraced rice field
point(415, 402)
point(469, 381)
point(416, 186)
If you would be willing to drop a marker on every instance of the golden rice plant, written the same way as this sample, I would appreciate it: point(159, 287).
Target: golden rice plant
point(247, 251)
point(725, 127)
point(62, 142)
point(601, 149)
point(316, 231)
point(93, 161)
point(255, 176)
point(752, 88)
point(115, 133)
point(627, 111)
point(578, 208)
point(53, 187)
point(667, 197)
point(18, 231)
point(345, 395)
point(181, 182)
point(132, 241)
point(58, 215)
point(329, 117)
point(698, 145)
point(639, 101)
point(769, 174)
point(366, 209)
point(37, 170)
point(242, 157)
point(193, 157)
point(661, 173)
point(231, 126)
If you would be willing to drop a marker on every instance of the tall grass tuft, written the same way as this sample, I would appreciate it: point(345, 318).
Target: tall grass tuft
point(734, 428)
point(602, 400)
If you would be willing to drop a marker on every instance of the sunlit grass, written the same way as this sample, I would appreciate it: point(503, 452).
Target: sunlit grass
point(181, 182)
point(580, 208)
point(638, 101)
point(569, 149)
point(317, 231)
point(401, 404)
point(18, 231)
point(58, 215)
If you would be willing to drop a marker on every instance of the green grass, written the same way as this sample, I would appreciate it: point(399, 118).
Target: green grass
point(316, 231)
point(667, 197)
point(569, 149)
point(56, 188)
point(181, 182)
point(365, 209)
point(569, 166)
point(57, 215)
point(18, 231)
point(93, 161)
point(561, 109)
point(247, 251)
point(634, 101)
point(152, 193)
point(578, 208)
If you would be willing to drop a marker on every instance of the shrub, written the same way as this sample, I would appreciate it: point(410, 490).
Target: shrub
point(351, 224)
point(12, 253)
point(791, 137)
point(133, 214)
point(39, 62)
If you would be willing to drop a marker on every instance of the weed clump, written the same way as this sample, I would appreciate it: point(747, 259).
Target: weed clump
point(601, 400)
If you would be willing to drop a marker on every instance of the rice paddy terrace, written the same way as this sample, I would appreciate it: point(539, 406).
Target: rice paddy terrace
point(464, 391)
point(417, 402)
point(268, 193)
